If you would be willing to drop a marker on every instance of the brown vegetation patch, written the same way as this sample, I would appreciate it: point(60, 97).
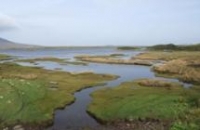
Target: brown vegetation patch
point(115, 60)
point(156, 83)
point(180, 69)
point(184, 65)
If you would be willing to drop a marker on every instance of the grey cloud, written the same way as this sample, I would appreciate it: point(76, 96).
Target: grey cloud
point(7, 23)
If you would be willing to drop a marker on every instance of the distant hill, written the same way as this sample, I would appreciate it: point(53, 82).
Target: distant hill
point(6, 44)
point(173, 47)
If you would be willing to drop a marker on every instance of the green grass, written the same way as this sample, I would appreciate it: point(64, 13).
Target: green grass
point(4, 57)
point(26, 93)
point(18, 98)
point(132, 100)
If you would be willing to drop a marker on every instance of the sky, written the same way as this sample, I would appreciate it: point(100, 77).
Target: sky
point(100, 22)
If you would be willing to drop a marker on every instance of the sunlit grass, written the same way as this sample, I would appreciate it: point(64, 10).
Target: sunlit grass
point(30, 95)
point(146, 100)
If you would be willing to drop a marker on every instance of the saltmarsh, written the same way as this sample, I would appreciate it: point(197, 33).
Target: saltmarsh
point(184, 65)
point(52, 59)
point(114, 59)
point(30, 95)
point(148, 100)
point(169, 55)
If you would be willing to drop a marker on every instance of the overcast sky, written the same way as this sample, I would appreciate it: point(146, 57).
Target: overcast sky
point(100, 22)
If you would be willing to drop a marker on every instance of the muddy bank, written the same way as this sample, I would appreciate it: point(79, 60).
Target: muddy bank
point(133, 124)
point(148, 124)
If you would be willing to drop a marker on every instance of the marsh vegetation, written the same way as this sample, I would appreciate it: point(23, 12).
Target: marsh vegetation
point(4, 57)
point(183, 65)
point(114, 59)
point(52, 59)
point(147, 101)
point(29, 96)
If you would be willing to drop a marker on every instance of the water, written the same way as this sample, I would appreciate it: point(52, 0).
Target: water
point(66, 53)
point(75, 116)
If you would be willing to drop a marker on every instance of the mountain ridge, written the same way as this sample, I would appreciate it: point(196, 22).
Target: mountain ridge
point(6, 44)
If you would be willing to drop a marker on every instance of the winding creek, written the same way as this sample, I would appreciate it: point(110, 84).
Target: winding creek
point(75, 115)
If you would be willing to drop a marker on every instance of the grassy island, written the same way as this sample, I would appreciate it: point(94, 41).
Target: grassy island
point(148, 103)
point(30, 95)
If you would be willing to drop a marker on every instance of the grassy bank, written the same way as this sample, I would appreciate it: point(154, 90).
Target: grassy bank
point(114, 59)
point(52, 59)
point(30, 95)
point(147, 101)
point(4, 57)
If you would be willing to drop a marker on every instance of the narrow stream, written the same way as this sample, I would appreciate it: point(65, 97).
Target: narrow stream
point(75, 116)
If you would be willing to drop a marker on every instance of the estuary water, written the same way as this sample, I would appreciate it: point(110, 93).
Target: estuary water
point(75, 116)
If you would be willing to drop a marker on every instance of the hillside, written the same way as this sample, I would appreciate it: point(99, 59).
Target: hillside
point(6, 44)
